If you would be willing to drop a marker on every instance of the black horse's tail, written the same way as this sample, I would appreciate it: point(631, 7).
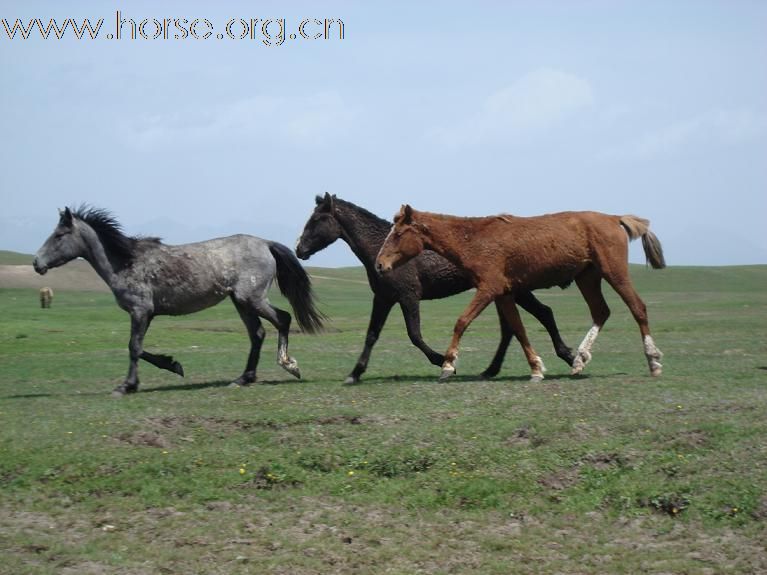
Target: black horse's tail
point(295, 285)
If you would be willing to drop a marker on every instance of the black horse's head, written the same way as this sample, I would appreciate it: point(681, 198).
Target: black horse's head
point(321, 229)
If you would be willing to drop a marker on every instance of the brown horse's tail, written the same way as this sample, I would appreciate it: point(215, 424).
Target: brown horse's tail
point(639, 227)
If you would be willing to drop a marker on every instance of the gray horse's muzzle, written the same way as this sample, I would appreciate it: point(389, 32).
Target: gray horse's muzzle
point(39, 268)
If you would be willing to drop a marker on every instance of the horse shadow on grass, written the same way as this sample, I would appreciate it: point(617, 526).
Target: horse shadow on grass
point(212, 384)
point(160, 388)
point(474, 379)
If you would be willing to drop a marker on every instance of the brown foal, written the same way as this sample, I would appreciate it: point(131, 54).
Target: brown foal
point(505, 254)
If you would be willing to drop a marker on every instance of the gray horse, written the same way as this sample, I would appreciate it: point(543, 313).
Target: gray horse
point(149, 278)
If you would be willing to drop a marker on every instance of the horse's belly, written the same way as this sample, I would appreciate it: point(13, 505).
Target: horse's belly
point(180, 302)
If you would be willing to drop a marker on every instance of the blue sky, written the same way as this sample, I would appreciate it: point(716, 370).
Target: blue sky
point(474, 108)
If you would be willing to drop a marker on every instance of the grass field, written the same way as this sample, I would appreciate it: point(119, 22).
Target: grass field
point(612, 472)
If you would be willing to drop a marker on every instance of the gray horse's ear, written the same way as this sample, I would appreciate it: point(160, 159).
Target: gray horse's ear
point(66, 216)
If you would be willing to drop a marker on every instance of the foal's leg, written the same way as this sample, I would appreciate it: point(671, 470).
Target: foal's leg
point(589, 282)
point(511, 313)
point(532, 305)
point(381, 309)
point(411, 311)
point(506, 335)
point(480, 301)
point(256, 333)
point(139, 323)
point(281, 321)
point(626, 290)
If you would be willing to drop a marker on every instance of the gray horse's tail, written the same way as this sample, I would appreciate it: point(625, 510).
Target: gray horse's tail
point(295, 285)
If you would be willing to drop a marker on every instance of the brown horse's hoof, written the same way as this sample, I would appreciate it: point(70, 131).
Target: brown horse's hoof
point(447, 372)
point(536, 378)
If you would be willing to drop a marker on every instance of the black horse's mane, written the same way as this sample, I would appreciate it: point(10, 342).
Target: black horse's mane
point(363, 211)
point(117, 244)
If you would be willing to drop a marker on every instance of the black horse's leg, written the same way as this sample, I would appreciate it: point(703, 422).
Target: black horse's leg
point(139, 323)
point(543, 314)
point(381, 309)
point(163, 362)
point(506, 335)
point(281, 321)
point(257, 334)
point(411, 310)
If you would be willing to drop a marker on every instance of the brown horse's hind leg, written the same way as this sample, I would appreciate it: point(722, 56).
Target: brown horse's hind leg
point(589, 282)
point(511, 313)
point(481, 300)
point(622, 284)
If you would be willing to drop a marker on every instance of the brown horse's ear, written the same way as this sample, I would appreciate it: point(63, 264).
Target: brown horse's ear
point(407, 214)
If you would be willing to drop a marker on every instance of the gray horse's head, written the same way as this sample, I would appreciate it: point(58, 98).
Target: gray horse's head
point(321, 229)
point(63, 245)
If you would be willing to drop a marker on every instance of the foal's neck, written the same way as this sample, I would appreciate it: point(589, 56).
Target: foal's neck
point(448, 237)
point(96, 255)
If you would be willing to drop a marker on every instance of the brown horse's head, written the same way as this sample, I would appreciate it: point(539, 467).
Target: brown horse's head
point(404, 242)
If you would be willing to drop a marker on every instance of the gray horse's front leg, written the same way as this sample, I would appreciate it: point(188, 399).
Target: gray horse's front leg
point(138, 326)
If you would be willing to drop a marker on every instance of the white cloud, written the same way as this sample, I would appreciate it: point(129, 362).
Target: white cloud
point(535, 103)
point(713, 127)
point(309, 121)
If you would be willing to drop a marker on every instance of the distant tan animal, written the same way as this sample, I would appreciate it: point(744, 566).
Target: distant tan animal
point(46, 297)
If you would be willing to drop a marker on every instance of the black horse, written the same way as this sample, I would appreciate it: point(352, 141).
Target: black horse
point(429, 276)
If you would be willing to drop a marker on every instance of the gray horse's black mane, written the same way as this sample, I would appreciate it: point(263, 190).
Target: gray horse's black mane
point(117, 244)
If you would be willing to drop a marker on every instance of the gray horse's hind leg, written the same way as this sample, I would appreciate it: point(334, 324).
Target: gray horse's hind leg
point(281, 321)
point(257, 334)
point(163, 362)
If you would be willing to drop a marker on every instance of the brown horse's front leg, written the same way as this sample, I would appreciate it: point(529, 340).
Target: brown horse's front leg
point(510, 311)
point(481, 300)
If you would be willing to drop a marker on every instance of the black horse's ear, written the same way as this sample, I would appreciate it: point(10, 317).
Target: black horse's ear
point(330, 201)
point(318, 199)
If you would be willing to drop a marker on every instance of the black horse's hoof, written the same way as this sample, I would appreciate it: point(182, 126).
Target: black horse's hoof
point(352, 380)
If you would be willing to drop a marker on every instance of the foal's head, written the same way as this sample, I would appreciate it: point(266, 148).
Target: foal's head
point(405, 241)
point(63, 245)
point(321, 229)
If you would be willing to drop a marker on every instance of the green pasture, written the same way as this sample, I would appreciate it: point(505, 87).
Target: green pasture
point(610, 472)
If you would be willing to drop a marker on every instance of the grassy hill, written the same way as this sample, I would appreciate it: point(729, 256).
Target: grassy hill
point(611, 472)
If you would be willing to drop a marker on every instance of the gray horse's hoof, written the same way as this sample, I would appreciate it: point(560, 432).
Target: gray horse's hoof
point(122, 390)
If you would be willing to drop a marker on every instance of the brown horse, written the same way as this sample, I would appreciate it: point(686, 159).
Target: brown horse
point(505, 254)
